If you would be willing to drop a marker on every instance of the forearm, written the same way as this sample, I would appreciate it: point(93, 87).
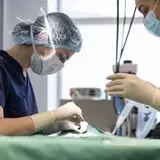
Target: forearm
point(16, 126)
point(26, 125)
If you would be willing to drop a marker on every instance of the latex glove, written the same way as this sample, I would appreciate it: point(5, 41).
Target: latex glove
point(132, 87)
point(69, 125)
point(69, 111)
point(59, 126)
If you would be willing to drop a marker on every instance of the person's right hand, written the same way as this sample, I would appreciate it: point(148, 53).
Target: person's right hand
point(134, 88)
point(69, 111)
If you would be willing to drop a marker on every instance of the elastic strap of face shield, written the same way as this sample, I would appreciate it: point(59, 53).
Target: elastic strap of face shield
point(48, 31)
point(32, 39)
point(48, 26)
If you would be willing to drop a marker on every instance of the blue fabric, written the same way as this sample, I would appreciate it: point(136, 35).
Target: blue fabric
point(16, 93)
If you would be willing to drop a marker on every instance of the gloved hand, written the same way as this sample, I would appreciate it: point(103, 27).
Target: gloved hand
point(46, 119)
point(67, 125)
point(69, 111)
point(70, 125)
point(132, 87)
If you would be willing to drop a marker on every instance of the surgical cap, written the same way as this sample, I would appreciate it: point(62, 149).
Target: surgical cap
point(55, 30)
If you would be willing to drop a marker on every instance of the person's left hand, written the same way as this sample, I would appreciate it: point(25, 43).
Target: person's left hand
point(71, 125)
point(131, 87)
point(67, 125)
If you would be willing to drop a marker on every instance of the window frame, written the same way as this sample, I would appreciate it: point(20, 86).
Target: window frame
point(61, 9)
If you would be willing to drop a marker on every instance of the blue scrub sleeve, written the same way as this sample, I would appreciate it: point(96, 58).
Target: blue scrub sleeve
point(3, 88)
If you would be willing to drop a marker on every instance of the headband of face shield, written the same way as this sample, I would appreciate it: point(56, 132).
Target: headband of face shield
point(151, 22)
point(61, 30)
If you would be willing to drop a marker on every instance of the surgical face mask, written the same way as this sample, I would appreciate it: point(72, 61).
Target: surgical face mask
point(151, 23)
point(44, 66)
point(47, 66)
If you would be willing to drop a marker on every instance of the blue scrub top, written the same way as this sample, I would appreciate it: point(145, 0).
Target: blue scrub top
point(16, 93)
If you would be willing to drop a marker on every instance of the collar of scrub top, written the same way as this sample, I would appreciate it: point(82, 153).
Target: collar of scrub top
point(4, 56)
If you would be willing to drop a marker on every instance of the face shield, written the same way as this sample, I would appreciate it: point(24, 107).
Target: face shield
point(44, 61)
point(41, 34)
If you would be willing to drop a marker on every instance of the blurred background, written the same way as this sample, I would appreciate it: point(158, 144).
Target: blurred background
point(96, 20)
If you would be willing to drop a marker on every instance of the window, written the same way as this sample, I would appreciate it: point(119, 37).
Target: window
point(90, 67)
point(96, 8)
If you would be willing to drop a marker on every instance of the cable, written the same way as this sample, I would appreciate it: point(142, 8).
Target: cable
point(122, 50)
point(122, 40)
point(117, 64)
point(117, 36)
point(117, 51)
point(124, 23)
point(121, 53)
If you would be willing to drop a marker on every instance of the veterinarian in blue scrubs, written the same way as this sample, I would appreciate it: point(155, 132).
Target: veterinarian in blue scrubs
point(44, 46)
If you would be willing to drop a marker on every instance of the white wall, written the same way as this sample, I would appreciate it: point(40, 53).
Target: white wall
point(44, 87)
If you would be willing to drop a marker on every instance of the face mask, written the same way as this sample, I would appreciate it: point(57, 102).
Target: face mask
point(45, 66)
point(151, 23)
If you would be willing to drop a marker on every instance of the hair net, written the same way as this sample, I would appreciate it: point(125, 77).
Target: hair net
point(55, 30)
